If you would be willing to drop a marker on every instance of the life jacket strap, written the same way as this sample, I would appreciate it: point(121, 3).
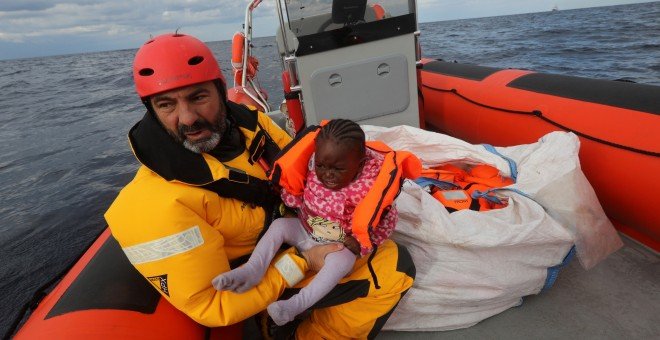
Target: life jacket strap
point(263, 150)
point(488, 195)
point(371, 267)
point(442, 185)
point(245, 188)
point(513, 168)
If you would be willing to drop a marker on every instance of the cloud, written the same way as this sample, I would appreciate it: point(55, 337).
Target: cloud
point(35, 27)
point(38, 19)
point(25, 5)
point(15, 38)
point(39, 5)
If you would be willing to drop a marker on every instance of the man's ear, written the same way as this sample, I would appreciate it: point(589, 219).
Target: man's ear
point(148, 105)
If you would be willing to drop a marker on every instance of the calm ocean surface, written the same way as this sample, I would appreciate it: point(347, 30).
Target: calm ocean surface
point(64, 119)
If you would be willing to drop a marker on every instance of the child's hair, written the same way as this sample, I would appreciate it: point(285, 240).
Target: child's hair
point(343, 131)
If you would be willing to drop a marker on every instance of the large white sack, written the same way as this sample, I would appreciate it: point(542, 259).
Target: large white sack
point(549, 171)
point(472, 265)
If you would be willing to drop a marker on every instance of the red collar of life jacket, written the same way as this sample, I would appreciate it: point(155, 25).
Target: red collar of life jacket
point(291, 167)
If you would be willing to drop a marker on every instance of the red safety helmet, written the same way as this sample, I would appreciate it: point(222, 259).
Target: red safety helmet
point(173, 60)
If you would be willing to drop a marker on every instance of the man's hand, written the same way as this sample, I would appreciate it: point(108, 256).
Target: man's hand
point(352, 244)
point(315, 256)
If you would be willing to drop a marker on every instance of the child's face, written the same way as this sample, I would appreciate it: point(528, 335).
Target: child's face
point(336, 165)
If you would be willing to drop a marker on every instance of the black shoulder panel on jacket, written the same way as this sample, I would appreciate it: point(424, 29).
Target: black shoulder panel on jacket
point(158, 151)
point(243, 116)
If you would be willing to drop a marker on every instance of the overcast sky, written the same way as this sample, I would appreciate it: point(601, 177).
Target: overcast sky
point(30, 28)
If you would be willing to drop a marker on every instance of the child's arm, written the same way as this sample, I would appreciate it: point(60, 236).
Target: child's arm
point(291, 201)
point(384, 230)
point(386, 226)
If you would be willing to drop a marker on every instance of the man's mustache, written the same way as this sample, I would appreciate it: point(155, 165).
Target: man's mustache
point(197, 125)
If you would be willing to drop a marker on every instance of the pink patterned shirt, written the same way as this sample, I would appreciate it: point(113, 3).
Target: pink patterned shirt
point(326, 214)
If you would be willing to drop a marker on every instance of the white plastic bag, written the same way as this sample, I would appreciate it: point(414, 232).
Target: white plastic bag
point(550, 173)
point(472, 265)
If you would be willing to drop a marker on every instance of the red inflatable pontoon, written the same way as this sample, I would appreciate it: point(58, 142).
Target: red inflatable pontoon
point(617, 123)
point(104, 297)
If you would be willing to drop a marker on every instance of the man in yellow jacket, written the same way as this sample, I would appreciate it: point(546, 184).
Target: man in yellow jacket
point(201, 198)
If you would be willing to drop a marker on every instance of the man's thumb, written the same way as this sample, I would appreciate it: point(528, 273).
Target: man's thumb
point(336, 246)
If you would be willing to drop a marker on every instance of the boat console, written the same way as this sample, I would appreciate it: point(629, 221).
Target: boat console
point(351, 59)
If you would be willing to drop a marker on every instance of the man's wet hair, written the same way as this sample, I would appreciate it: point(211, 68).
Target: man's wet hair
point(343, 131)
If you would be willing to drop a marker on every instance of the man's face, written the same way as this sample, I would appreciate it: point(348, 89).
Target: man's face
point(193, 115)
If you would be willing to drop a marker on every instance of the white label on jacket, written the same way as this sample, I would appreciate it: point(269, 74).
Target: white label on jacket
point(165, 247)
point(289, 270)
point(454, 195)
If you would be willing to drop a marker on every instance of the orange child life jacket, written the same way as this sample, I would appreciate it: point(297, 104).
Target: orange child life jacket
point(456, 187)
point(291, 167)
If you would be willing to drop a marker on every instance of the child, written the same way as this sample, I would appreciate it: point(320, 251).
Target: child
point(339, 175)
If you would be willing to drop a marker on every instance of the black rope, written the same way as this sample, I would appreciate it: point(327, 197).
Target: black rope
point(539, 114)
point(40, 293)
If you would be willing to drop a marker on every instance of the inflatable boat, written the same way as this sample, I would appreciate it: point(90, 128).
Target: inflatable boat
point(617, 122)
point(103, 297)
point(337, 61)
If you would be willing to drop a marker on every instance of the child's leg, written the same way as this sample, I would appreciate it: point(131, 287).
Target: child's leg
point(282, 230)
point(336, 266)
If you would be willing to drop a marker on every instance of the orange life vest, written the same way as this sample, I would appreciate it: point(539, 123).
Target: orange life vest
point(458, 189)
point(291, 167)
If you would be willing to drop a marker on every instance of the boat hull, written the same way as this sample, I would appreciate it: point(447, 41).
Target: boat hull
point(104, 297)
point(618, 124)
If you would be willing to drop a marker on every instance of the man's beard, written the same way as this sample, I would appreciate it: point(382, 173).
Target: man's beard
point(202, 145)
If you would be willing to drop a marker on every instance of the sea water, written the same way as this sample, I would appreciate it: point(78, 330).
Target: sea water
point(64, 119)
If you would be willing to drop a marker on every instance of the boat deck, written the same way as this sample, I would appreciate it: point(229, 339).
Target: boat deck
point(617, 299)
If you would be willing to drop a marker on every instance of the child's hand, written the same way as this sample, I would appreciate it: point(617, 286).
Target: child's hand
point(286, 211)
point(352, 244)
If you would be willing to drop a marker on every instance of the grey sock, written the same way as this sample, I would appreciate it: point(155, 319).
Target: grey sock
point(240, 279)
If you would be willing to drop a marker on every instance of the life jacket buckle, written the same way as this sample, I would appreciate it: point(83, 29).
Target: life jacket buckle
point(257, 147)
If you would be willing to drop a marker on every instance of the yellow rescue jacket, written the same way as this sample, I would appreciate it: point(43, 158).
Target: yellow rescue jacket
point(180, 226)
point(291, 167)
